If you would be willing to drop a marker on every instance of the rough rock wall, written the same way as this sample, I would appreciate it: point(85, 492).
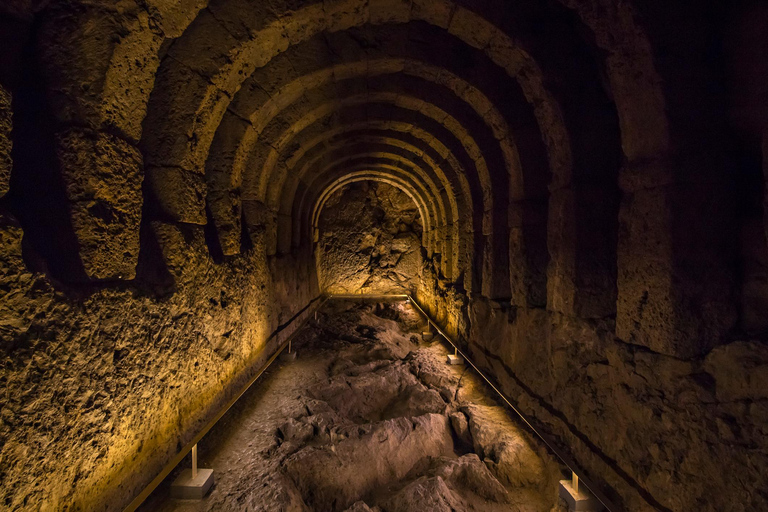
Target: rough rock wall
point(113, 380)
point(5, 140)
point(748, 114)
point(596, 393)
point(98, 60)
point(664, 433)
point(370, 240)
point(754, 292)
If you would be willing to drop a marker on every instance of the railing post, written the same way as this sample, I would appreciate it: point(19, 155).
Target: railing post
point(577, 499)
point(193, 484)
point(194, 461)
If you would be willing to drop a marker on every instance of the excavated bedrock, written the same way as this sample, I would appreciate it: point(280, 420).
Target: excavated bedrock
point(370, 418)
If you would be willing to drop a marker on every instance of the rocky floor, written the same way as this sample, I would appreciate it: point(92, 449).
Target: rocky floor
point(370, 418)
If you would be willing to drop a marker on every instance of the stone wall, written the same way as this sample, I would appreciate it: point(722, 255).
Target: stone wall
point(5, 140)
point(582, 189)
point(655, 432)
point(104, 384)
point(369, 240)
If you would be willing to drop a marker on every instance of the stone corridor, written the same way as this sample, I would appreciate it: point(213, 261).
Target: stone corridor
point(370, 418)
point(575, 191)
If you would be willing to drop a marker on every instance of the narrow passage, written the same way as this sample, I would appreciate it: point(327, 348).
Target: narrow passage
point(370, 417)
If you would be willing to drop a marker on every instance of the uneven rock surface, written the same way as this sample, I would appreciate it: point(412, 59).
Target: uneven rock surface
point(110, 380)
point(592, 225)
point(368, 418)
point(105, 223)
point(671, 418)
point(5, 140)
point(370, 240)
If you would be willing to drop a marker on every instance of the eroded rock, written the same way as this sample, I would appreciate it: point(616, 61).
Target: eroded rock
point(360, 433)
point(361, 506)
point(381, 393)
point(332, 477)
point(504, 447)
point(6, 124)
point(103, 176)
point(370, 238)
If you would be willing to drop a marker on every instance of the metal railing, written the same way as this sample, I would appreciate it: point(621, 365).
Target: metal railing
point(564, 458)
point(192, 445)
point(567, 461)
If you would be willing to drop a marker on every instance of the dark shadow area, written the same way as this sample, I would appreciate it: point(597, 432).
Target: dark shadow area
point(37, 194)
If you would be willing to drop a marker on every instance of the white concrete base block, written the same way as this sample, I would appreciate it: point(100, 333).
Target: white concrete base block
point(581, 500)
point(288, 356)
point(453, 359)
point(187, 488)
point(427, 336)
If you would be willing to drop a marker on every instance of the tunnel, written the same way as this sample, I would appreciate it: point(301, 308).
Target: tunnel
point(538, 228)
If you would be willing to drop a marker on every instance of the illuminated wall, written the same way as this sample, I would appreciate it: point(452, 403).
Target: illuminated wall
point(369, 241)
point(589, 177)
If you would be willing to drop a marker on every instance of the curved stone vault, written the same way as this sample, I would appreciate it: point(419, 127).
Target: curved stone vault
point(586, 194)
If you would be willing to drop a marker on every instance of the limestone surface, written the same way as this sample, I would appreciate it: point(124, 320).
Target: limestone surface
point(338, 429)
point(370, 240)
point(6, 125)
point(111, 378)
point(575, 190)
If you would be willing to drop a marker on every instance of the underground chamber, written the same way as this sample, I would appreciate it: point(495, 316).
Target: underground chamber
point(383, 255)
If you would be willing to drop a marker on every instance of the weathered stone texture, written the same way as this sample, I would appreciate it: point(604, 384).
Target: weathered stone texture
point(226, 211)
point(528, 255)
point(103, 176)
point(370, 240)
point(635, 81)
point(6, 125)
point(360, 422)
point(259, 218)
point(100, 64)
point(645, 308)
point(16, 312)
point(136, 374)
point(667, 416)
point(173, 16)
point(402, 442)
point(179, 193)
point(583, 185)
point(582, 241)
point(675, 289)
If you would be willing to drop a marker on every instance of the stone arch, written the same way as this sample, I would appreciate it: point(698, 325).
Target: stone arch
point(294, 90)
point(303, 221)
point(365, 176)
point(214, 85)
point(471, 95)
point(476, 32)
point(375, 126)
point(280, 31)
point(461, 176)
point(448, 245)
point(448, 242)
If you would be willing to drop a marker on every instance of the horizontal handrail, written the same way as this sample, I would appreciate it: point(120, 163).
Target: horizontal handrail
point(564, 458)
point(138, 500)
point(372, 296)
